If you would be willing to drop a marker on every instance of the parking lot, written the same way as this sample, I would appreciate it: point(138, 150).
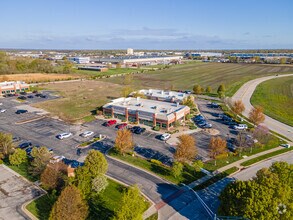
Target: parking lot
point(14, 191)
point(43, 132)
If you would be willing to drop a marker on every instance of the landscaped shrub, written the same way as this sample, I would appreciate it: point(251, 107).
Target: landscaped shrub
point(157, 162)
point(156, 128)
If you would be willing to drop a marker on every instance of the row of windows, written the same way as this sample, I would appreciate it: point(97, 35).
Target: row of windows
point(13, 91)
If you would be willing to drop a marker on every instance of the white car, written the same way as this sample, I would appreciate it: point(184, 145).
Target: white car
point(57, 159)
point(64, 135)
point(165, 136)
point(285, 145)
point(2, 110)
point(1, 103)
point(87, 134)
point(240, 127)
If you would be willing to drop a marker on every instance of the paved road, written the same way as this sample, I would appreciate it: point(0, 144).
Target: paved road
point(250, 172)
point(245, 93)
point(43, 132)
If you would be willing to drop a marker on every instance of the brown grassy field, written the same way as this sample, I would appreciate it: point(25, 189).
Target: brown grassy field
point(36, 77)
point(79, 99)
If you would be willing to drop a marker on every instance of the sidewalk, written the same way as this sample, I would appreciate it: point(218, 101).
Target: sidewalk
point(237, 163)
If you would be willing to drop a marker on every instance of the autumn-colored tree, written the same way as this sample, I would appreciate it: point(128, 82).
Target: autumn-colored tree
point(256, 115)
point(18, 157)
point(208, 89)
point(218, 146)
point(6, 145)
point(70, 205)
point(197, 89)
point(186, 149)
point(53, 176)
point(238, 107)
point(262, 134)
point(132, 205)
point(100, 183)
point(189, 101)
point(126, 91)
point(124, 141)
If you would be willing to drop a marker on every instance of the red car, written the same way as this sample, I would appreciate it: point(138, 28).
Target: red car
point(110, 123)
point(122, 126)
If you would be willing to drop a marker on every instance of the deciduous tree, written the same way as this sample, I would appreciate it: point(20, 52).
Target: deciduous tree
point(41, 157)
point(70, 205)
point(197, 89)
point(132, 205)
point(6, 145)
point(221, 91)
point(189, 101)
point(269, 195)
point(256, 115)
point(218, 146)
point(177, 169)
point(100, 183)
point(197, 165)
point(124, 141)
point(238, 107)
point(208, 89)
point(186, 149)
point(18, 157)
point(53, 176)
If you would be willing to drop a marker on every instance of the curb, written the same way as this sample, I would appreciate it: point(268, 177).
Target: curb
point(30, 120)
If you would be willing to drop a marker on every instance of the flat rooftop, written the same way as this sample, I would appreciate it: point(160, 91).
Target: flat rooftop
point(163, 109)
point(11, 83)
point(163, 94)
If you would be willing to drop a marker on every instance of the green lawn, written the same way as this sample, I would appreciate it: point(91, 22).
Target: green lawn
point(188, 175)
point(266, 156)
point(102, 207)
point(212, 166)
point(22, 169)
point(276, 98)
point(113, 71)
point(206, 74)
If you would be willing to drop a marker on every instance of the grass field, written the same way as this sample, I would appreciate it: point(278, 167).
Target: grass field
point(79, 99)
point(276, 98)
point(37, 77)
point(113, 71)
point(185, 76)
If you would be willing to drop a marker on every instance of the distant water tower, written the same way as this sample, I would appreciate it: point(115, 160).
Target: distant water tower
point(129, 51)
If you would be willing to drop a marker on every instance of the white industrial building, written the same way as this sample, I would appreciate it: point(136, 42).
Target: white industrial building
point(161, 95)
point(79, 60)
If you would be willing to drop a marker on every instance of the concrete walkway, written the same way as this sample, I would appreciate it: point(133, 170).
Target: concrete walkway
point(245, 93)
point(237, 163)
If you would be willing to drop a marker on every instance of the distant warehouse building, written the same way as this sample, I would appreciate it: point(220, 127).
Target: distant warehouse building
point(144, 60)
point(13, 87)
point(79, 60)
point(147, 112)
point(94, 68)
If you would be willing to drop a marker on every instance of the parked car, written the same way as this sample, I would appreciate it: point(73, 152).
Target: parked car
point(16, 139)
point(198, 118)
point(207, 125)
point(57, 159)
point(15, 94)
point(87, 134)
point(38, 94)
point(9, 95)
point(1, 103)
point(231, 147)
point(25, 145)
point(30, 96)
point(22, 93)
point(285, 145)
point(2, 110)
point(21, 111)
point(64, 135)
point(43, 96)
point(22, 97)
point(187, 92)
point(137, 130)
point(165, 136)
point(201, 123)
point(214, 105)
point(110, 123)
point(240, 127)
point(122, 126)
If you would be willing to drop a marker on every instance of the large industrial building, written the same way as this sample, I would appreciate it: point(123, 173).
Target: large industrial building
point(13, 87)
point(79, 60)
point(143, 60)
point(147, 112)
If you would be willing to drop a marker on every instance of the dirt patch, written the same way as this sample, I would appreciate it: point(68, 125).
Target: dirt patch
point(212, 131)
point(36, 77)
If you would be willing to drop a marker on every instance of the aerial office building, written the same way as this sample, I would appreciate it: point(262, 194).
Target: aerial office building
point(147, 112)
point(13, 87)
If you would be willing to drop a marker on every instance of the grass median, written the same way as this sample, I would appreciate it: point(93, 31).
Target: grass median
point(216, 178)
point(188, 175)
point(265, 156)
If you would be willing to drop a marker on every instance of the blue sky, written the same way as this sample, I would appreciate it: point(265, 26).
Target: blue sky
point(146, 24)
